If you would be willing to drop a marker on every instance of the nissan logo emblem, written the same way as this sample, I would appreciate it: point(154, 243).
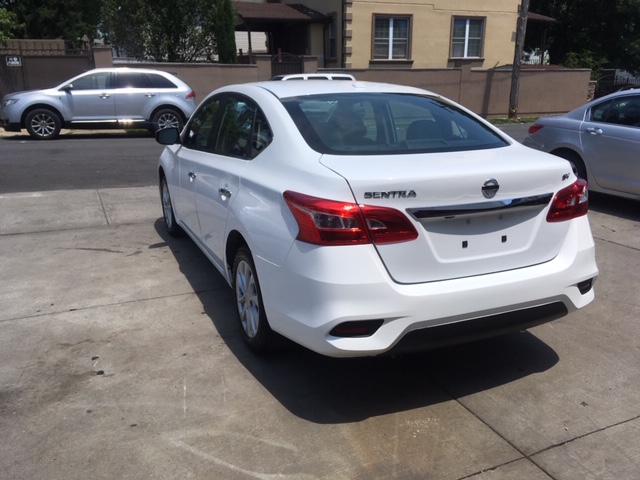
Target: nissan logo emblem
point(490, 188)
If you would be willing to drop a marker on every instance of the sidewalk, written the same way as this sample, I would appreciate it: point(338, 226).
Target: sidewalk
point(120, 357)
point(69, 209)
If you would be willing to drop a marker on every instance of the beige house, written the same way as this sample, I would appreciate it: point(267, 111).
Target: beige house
point(390, 33)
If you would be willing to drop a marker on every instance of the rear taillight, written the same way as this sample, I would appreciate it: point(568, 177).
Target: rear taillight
point(534, 128)
point(327, 222)
point(570, 202)
point(191, 94)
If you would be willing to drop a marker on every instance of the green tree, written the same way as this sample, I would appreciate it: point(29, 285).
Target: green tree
point(70, 20)
point(8, 25)
point(168, 31)
point(225, 31)
point(123, 26)
point(591, 33)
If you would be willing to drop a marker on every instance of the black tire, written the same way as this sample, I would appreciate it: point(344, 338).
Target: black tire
point(166, 117)
point(577, 164)
point(43, 124)
point(253, 320)
point(167, 210)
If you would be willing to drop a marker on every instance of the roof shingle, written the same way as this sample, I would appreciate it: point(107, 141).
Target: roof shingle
point(275, 12)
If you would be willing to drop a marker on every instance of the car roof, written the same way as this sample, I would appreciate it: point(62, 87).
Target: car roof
point(294, 89)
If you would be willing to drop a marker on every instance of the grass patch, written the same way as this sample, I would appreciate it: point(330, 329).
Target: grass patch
point(506, 121)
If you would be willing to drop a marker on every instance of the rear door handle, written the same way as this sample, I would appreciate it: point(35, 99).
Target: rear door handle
point(224, 191)
point(105, 96)
point(594, 131)
point(149, 94)
point(192, 176)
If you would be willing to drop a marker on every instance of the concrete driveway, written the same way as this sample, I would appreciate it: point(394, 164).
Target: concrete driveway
point(120, 358)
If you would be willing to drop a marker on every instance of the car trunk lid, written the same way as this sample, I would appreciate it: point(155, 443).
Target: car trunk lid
point(476, 212)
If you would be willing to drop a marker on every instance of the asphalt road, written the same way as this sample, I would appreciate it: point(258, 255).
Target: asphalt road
point(78, 161)
point(119, 159)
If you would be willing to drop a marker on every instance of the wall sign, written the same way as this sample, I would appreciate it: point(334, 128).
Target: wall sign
point(13, 61)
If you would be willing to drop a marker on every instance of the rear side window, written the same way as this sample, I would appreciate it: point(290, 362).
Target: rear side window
point(142, 80)
point(383, 123)
point(158, 81)
point(132, 80)
point(599, 112)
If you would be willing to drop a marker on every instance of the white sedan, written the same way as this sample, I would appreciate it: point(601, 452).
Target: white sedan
point(358, 218)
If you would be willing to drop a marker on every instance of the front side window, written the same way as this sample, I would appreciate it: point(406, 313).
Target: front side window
point(621, 111)
point(244, 131)
point(387, 123)
point(93, 81)
point(199, 132)
point(467, 37)
point(391, 37)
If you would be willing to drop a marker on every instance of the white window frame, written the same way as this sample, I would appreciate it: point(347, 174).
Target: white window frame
point(467, 38)
point(389, 39)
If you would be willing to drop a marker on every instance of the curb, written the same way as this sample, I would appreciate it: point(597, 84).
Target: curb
point(86, 133)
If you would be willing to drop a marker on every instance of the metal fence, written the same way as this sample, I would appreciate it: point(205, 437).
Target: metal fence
point(286, 63)
point(613, 82)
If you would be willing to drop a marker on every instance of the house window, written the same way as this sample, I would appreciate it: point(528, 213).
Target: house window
point(391, 37)
point(332, 38)
point(467, 37)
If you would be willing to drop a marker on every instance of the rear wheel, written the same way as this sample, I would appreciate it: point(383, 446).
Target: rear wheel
point(165, 118)
point(577, 165)
point(43, 124)
point(253, 321)
point(167, 209)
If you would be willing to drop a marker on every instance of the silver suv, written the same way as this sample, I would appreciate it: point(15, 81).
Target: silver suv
point(103, 98)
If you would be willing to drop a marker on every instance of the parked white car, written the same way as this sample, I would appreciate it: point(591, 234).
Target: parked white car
point(358, 218)
point(103, 98)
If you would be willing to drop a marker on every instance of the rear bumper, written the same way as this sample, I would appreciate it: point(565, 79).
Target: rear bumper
point(480, 328)
point(325, 287)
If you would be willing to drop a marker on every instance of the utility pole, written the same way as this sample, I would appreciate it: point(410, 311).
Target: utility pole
point(521, 30)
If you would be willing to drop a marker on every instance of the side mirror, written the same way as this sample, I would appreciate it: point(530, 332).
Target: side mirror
point(168, 136)
point(68, 87)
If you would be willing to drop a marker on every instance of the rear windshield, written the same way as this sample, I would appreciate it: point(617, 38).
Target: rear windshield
point(382, 123)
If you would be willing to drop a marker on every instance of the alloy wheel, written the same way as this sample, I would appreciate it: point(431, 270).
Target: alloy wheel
point(247, 299)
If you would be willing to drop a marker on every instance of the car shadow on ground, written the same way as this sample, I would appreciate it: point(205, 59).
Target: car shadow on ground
point(328, 390)
point(617, 206)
